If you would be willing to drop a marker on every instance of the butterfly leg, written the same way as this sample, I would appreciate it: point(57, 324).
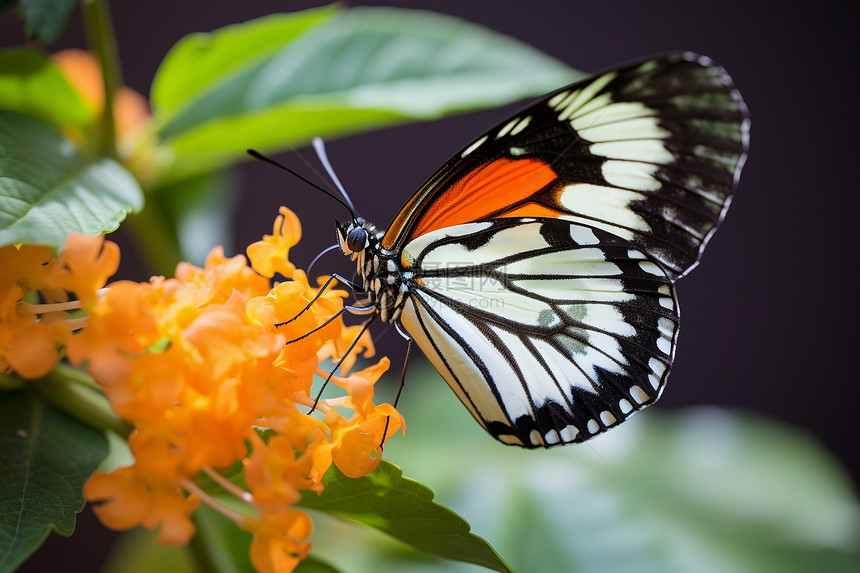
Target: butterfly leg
point(399, 390)
point(408, 338)
point(334, 277)
point(364, 328)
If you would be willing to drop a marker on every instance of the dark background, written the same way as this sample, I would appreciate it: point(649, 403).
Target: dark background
point(769, 317)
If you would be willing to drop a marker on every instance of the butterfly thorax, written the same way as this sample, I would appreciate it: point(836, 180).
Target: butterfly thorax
point(384, 281)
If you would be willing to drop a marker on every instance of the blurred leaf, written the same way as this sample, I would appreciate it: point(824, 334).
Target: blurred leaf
point(707, 490)
point(31, 83)
point(404, 509)
point(219, 546)
point(49, 189)
point(313, 565)
point(45, 18)
point(45, 458)
point(199, 209)
point(362, 68)
point(199, 62)
point(137, 552)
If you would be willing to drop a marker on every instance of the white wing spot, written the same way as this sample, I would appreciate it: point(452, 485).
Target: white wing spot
point(648, 150)
point(666, 301)
point(568, 433)
point(552, 437)
point(583, 235)
point(607, 418)
point(625, 406)
point(630, 174)
point(638, 394)
point(521, 125)
point(664, 345)
point(656, 367)
point(571, 104)
point(508, 126)
point(592, 426)
point(534, 438)
point(666, 327)
point(604, 204)
point(556, 99)
point(651, 268)
point(474, 146)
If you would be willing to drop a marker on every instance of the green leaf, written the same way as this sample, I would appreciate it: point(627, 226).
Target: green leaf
point(359, 69)
point(404, 509)
point(46, 18)
point(49, 189)
point(45, 458)
point(707, 490)
point(33, 84)
point(199, 62)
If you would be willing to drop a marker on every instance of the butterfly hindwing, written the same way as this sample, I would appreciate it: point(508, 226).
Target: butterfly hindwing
point(550, 332)
point(649, 152)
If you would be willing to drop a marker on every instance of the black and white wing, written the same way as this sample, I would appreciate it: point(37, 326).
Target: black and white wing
point(550, 332)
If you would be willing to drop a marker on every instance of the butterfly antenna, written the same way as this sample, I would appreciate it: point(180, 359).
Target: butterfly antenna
point(319, 147)
point(257, 155)
point(318, 257)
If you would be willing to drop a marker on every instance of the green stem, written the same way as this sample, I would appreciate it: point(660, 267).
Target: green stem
point(73, 391)
point(102, 41)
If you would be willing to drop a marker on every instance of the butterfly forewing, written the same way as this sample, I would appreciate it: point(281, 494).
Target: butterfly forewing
point(649, 152)
point(550, 332)
point(535, 269)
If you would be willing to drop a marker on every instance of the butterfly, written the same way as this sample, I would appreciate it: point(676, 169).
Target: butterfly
point(536, 268)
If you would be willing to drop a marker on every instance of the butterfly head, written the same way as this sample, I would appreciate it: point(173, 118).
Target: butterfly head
point(354, 237)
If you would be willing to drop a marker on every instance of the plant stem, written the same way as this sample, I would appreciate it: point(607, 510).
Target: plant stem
point(102, 41)
point(73, 391)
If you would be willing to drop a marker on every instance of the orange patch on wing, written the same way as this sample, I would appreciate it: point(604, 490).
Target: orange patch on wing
point(494, 190)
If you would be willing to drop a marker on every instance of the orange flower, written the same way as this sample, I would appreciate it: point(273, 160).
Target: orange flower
point(278, 543)
point(355, 445)
point(28, 344)
point(197, 364)
point(130, 499)
point(82, 70)
point(85, 266)
point(270, 255)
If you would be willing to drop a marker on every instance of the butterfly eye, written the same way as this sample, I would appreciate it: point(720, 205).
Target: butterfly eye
point(356, 240)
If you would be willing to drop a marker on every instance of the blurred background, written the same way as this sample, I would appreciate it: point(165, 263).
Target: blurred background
point(763, 329)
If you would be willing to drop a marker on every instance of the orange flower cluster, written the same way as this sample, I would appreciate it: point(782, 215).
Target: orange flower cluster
point(195, 363)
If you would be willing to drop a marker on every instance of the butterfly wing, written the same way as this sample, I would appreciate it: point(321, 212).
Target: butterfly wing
point(650, 152)
point(549, 332)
